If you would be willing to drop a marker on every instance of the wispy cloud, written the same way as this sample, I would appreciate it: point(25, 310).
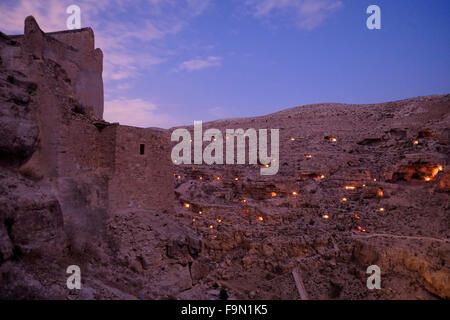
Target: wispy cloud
point(307, 14)
point(199, 64)
point(137, 112)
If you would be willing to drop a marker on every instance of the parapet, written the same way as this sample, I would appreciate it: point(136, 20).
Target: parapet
point(74, 51)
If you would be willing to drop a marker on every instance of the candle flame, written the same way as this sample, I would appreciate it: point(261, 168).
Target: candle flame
point(325, 216)
point(380, 192)
point(260, 218)
point(273, 194)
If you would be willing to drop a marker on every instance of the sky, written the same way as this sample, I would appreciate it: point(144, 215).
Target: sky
point(170, 62)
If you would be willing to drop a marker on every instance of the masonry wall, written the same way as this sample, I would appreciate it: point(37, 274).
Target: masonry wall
point(96, 167)
point(142, 181)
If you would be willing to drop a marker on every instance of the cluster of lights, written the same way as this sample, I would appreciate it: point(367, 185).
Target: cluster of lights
point(434, 173)
point(360, 229)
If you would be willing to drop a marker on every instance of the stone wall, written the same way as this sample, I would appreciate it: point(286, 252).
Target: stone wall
point(145, 180)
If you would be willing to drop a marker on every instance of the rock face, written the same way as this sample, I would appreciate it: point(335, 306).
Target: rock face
point(375, 194)
point(65, 174)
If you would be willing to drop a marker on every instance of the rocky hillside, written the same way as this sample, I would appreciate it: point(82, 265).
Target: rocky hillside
point(357, 185)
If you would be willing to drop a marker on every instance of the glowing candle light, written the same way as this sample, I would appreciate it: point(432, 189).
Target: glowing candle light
point(427, 179)
point(266, 165)
point(380, 192)
point(200, 178)
point(308, 156)
point(381, 209)
point(187, 205)
point(333, 139)
point(344, 199)
point(321, 177)
point(416, 142)
point(325, 216)
point(243, 201)
point(294, 193)
point(350, 187)
point(359, 228)
point(260, 218)
point(356, 216)
point(236, 179)
point(219, 220)
point(200, 212)
point(440, 168)
point(273, 194)
point(211, 226)
point(292, 139)
point(193, 219)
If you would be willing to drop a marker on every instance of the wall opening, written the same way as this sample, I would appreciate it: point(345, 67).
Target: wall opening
point(142, 149)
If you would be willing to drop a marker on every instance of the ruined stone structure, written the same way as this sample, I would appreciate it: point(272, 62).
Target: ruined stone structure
point(108, 166)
